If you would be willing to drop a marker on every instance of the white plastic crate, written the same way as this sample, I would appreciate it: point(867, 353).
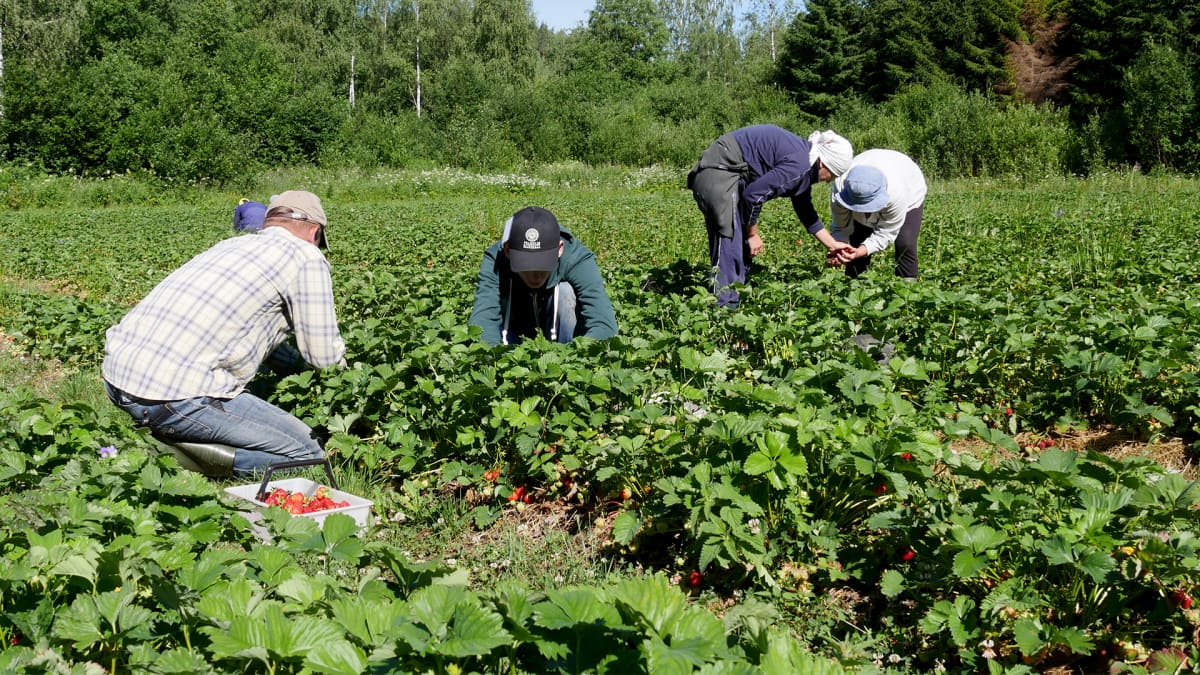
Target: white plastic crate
point(358, 508)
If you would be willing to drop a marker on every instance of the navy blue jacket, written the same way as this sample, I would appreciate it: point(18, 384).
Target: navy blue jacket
point(778, 166)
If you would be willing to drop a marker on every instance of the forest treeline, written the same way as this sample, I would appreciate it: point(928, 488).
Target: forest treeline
point(219, 90)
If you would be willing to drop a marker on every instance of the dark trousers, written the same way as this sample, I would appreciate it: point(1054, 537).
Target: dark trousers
point(730, 258)
point(906, 246)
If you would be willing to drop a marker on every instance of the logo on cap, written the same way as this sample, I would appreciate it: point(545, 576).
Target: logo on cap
point(531, 239)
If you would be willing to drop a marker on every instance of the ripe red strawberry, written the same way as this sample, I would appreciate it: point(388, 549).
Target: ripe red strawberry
point(881, 489)
point(517, 495)
point(908, 555)
point(1179, 598)
point(906, 456)
point(297, 503)
point(695, 579)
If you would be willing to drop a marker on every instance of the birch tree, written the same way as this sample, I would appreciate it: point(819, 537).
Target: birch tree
point(702, 36)
point(773, 16)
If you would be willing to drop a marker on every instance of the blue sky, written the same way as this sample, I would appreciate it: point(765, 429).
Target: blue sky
point(564, 14)
point(561, 14)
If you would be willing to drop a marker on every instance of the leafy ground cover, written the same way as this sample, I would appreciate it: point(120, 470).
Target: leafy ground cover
point(964, 505)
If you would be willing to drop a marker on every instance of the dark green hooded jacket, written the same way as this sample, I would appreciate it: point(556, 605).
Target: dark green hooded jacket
point(501, 296)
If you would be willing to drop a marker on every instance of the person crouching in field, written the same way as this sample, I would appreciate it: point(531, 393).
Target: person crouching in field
point(879, 201)
point(740, 172)
point(540, 278)
point(180, 360)
point(248, 216)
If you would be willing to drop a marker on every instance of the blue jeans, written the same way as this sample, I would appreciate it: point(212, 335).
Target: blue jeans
point(566, 317)
point(261, 434)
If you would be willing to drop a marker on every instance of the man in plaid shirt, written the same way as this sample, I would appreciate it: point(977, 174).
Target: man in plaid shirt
point(180, 360)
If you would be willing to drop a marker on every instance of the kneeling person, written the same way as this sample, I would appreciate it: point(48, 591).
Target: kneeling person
point(180, 360)
point(538, 277)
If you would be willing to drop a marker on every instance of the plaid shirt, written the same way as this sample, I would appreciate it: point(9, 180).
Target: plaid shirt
point(206, 328)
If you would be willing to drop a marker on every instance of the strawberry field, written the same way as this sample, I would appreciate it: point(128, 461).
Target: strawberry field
point(1013, 490)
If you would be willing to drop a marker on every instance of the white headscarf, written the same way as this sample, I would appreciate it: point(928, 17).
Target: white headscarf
point(834, 151)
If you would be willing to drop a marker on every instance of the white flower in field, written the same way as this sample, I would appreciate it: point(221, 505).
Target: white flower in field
point(454, 177)
point(988, 651)
point(754, 526)
point(452, 561)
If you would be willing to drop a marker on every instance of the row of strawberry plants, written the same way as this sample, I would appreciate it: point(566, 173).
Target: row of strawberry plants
point(816, 468)
point(706, 431)
point(756, 446)
point(61, 327)
point(1046, 354)
point(806, 482)
point(1121, 563)
point(117, 561)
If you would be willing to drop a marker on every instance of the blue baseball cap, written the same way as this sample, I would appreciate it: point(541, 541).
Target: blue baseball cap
point(864, 189)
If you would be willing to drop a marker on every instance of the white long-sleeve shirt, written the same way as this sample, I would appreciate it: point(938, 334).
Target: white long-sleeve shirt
point(906, 191)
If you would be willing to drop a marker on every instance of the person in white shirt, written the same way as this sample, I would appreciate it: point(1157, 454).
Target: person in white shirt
point(878, 202)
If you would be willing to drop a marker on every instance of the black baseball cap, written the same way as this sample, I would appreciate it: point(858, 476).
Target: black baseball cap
point(533, 240)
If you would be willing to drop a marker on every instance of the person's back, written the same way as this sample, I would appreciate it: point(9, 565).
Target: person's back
point(206, 328)
point(767, 147)
point(248, 216)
